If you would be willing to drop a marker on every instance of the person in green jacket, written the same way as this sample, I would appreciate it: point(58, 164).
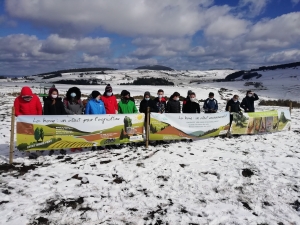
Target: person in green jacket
point(126, 106)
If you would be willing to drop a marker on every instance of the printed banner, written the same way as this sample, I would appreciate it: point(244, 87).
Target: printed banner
point(78, 131)
point(170, 126)
point(261, 122)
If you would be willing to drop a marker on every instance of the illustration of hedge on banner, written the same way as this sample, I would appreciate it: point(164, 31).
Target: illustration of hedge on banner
point(58, 132)
point(261, 122)
point(188, 126)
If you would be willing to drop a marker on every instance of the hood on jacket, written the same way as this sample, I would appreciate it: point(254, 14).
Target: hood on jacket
point(26, 91)
point(51, 91)
point(75, 90)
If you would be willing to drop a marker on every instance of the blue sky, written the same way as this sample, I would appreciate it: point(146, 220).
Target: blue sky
point(42, 35)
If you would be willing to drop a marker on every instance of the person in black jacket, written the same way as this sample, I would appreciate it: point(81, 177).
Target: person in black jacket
point(147, 102)
point(192, 105)
point(248, 102)
point(53, 105)
point(173, 105)
point(210, 104)
point(160, 101)
point(186, 100)
point(234, 105)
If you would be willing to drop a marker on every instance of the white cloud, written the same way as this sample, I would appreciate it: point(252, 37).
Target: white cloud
point(292, 55)
point(284, 28)
point(148, 47)
point(256, 7)
point(58, 45)
point(295, 2)
point(131, 17)
point(27, 51)
point(228, 27)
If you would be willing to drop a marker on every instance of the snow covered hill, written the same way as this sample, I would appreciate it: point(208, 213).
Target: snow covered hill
point(251, 179)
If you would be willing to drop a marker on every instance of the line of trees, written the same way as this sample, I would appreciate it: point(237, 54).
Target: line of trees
point(150, 81)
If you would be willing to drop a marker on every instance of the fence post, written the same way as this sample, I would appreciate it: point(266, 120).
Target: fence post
point(291, 106)
point(147, 126)
point(12, 136)
point(228, 132)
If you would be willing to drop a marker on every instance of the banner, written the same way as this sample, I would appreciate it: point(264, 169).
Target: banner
point(78, 131)
point(261, 122)
point(170, 126)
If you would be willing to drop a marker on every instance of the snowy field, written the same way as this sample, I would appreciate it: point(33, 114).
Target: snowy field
point(251, 179)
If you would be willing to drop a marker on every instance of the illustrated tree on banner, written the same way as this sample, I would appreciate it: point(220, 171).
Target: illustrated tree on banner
point(42, 134)
point(127, 123)
point(37, 134)
point(239, 119)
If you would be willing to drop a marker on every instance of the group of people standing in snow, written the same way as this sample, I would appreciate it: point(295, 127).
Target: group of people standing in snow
point(29, 104)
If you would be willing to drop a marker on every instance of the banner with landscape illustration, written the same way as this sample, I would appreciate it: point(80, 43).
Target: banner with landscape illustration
point(261, 122)
point(188, 126)
point(78, 131)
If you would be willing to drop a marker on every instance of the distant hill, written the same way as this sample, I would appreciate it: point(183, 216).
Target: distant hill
point(255, 72)
point(154, 67)
point(76, 70)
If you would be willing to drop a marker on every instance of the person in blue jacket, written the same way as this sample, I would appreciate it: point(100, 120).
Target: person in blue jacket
point(95, 105)
point(210, 104)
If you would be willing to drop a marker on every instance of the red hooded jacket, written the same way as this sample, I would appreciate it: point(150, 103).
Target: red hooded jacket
point(33, 107)
point(110, 103)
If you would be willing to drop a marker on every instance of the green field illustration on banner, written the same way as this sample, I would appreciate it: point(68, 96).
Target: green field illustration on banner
point(80, 131)
point(261, 122)
point(187, 126)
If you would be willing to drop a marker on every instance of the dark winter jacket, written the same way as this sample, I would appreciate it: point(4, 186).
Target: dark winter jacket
point(57, 108)
point(173, 106)
point(235, 106)
point(95, 107)
point(145, 104)
point(185, 101)
point(73, 105)
point(191, 107)
point(248, 103)
point(210, 106)
point(160, 105)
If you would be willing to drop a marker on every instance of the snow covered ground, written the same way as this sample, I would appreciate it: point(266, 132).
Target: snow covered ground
point(251, 179)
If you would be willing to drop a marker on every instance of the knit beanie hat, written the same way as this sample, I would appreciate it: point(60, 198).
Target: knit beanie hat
point(108, 88)
point(147, 93)
point(176, 94)
point(125, 92)
point(95, 94)
point(189, 92)
point(51, 90)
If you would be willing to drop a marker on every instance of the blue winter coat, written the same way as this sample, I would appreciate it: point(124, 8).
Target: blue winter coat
point(210, 105)
point(95, 107)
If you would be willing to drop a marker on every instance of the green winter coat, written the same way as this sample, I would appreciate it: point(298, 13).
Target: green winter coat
point(127, 107)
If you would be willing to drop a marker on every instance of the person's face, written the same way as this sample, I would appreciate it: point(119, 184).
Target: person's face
point(98, 97)
point(192, 96)
point(126, 96)
point(147, 96)
point(211, 96)
point(54, 93)
point(236, 98)
point(176, 98)
point(160, 93)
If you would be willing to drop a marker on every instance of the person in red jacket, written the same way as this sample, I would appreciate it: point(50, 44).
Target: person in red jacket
point(110, 101)
point(27, 103)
